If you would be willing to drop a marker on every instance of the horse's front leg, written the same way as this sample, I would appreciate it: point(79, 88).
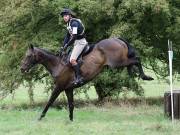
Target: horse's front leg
point(53, 97)
point(69, 94)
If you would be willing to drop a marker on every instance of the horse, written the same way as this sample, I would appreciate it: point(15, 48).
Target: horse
point(112, 52)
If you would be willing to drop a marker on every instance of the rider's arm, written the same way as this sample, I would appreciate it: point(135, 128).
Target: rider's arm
point(73, 36)
point(66, 39)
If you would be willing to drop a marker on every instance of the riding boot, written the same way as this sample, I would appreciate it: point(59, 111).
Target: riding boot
point(79, 78)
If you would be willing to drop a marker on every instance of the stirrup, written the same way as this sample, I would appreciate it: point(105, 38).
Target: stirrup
point(78, 81)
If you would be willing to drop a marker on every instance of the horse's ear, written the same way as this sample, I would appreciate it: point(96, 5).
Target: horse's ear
point(31, 46)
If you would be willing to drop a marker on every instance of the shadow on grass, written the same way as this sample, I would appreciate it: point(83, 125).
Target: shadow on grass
point(59, 104)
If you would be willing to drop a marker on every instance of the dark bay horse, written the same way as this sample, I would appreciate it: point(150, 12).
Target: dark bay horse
point(112, 52)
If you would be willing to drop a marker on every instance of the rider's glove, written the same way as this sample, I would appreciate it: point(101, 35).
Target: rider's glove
point(62, 49)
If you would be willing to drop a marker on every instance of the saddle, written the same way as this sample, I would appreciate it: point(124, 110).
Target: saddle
point(87, 49)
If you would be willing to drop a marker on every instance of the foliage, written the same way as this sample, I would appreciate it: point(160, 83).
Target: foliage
point(113, 82)
point(148, 24)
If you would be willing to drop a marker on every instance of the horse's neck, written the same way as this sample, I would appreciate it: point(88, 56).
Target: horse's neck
point(50, 62)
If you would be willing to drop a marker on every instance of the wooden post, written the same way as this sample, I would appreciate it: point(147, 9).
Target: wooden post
point(176, 103)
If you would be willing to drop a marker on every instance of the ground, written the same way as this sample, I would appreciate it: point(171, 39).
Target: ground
point(133, 116)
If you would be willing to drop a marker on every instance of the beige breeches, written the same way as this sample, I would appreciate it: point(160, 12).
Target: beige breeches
point(78, 48)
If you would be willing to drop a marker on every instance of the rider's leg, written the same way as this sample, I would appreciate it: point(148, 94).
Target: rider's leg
point(78, 48)
point(77, 70)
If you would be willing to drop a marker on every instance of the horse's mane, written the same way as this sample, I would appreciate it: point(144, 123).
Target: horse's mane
point(46, 51)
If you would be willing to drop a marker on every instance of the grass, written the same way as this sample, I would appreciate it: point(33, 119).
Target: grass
point(132, 117)
point(90, 120)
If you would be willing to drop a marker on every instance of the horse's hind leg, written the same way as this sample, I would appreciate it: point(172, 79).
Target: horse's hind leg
point(136, 61)
point(141, 72)
point(131, 71)
point(69, 94)
point(129, 68)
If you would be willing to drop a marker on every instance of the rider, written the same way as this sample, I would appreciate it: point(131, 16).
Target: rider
point(74, 35)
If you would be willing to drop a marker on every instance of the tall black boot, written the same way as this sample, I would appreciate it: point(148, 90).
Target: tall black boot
point(79, 78)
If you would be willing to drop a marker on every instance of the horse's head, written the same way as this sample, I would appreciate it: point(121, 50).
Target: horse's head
point(29, 60)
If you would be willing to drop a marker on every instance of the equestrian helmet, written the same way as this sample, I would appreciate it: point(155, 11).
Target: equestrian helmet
point(66, 11)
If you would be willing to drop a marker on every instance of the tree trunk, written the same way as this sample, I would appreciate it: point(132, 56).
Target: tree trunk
point(31, 93)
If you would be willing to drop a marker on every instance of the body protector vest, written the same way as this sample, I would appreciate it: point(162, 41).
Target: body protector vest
point(75, 27)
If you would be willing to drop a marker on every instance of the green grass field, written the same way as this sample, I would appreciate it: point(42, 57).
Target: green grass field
point(90, 120)
point(18, 118)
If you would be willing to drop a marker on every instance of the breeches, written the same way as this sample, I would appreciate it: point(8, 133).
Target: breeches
point(78, 48)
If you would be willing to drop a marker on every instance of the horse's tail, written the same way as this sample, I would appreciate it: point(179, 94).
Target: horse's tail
point(131, 50)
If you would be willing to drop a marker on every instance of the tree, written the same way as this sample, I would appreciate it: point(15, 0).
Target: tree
point(146, 24)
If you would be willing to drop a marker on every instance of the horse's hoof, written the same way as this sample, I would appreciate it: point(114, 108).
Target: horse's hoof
point(78, 82)
point(150, 78)
point(147, 78)
point(39, 119)
point(71, 120)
